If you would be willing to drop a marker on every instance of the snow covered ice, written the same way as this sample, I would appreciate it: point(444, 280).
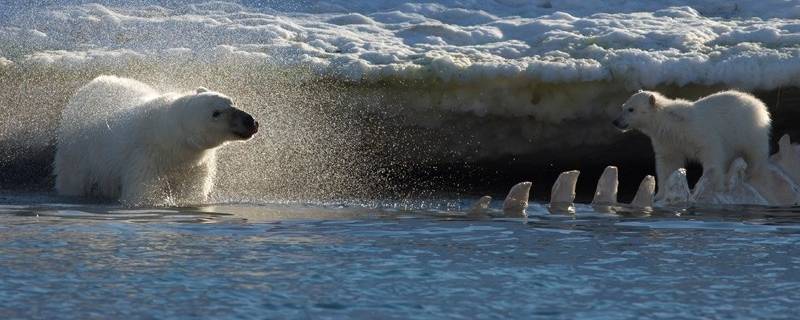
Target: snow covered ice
point(748, 44)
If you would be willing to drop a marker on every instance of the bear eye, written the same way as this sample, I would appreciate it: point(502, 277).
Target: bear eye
point(630, 109)
point(216, 114)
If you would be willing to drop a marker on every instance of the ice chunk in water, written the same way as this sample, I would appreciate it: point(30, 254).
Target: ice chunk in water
point(480, 208)
point(563, 192)
point(517, 200)
point(677, 193)
point(788, 158)
point(644, 196)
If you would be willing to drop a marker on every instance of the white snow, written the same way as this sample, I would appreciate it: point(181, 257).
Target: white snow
point(747, 44)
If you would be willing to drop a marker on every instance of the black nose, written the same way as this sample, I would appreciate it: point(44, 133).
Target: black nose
point(619, 124)
point(248, 121)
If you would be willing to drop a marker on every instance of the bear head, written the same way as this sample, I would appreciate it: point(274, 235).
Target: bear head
point(209, 119)
point(638, 110)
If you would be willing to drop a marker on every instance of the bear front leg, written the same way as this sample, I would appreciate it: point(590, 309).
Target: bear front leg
point(72, 183)
point(192, 186)
point(141, 184)
point(666, 163)
point(139, 190)
point(713, 158)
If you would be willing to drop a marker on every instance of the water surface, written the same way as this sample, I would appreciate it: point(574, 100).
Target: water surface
point(349, 261)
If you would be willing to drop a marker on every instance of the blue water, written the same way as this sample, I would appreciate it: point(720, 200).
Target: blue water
point(348, 261)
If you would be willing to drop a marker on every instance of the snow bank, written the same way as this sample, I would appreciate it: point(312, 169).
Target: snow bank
point(747, 44)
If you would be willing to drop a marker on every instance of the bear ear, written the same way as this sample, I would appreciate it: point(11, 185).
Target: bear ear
point(639, 91)
point(652, 101)
point(201, 90)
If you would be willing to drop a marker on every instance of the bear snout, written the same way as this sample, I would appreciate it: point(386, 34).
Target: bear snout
point(620, 124)
point(249, 122)
point(246, 127)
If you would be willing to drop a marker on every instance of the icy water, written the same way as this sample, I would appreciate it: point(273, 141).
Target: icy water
point(312, 261)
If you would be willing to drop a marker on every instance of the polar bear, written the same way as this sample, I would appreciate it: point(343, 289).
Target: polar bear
point(713, 130)
point(121, 139)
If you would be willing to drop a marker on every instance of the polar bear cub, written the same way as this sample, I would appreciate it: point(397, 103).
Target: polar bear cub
point(713, 130)
point(121, 139)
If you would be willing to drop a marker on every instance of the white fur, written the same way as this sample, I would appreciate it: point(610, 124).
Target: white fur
point(120, 138)
point(713, 130)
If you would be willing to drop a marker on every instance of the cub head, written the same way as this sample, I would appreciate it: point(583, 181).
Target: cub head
point(637, 111)
point(209, 119)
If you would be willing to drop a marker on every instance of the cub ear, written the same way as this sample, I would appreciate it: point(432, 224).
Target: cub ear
point(201, 90)
point(652, 101)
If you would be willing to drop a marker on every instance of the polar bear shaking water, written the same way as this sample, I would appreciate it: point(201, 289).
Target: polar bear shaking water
point(121, 139)
point(714, 130)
